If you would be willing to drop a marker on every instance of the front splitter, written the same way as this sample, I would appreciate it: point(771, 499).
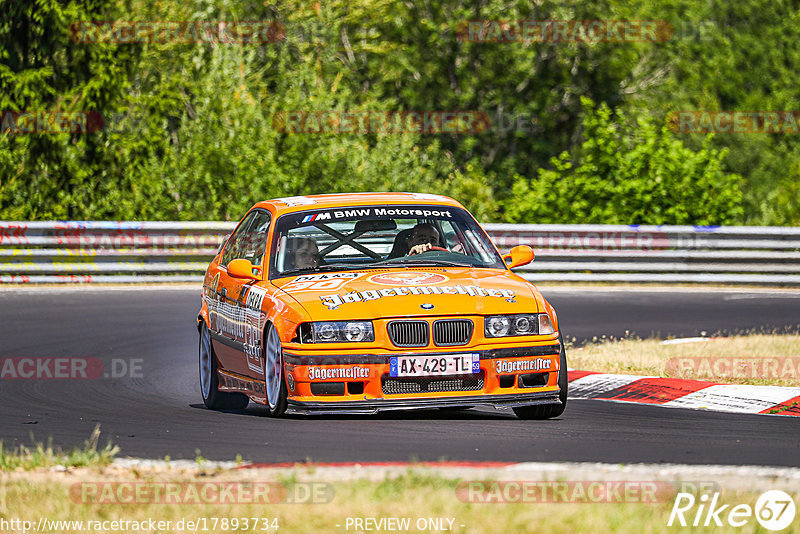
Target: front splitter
point(373, 406)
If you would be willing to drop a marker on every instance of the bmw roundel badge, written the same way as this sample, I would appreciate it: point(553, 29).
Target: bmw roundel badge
point(426, 306)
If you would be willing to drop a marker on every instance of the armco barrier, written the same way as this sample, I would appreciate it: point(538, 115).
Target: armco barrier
point(127, 252)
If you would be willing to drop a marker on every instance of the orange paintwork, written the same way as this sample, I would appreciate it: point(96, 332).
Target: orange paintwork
point(461, 292)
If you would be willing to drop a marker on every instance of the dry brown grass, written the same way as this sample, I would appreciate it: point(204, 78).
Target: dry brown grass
point(411, 495)
point(756, 359)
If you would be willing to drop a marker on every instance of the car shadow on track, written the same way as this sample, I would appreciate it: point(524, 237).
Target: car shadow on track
point(435, 414)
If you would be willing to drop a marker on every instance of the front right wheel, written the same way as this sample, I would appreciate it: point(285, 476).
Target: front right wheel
point(548, 411)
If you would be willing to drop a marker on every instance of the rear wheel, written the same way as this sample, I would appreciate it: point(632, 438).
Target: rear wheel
point(548, 411)
point(213, 398)
point(273, 373)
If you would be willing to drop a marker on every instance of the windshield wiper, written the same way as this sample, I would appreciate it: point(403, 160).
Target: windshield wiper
point(321, 268)
point(438, 262)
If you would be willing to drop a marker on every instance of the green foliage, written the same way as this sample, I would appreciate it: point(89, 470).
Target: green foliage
point(189, 130)
point(623, 178)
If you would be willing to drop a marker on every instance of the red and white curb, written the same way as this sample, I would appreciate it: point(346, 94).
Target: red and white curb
point(679, 393)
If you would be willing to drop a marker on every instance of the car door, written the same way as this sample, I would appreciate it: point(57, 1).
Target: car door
point(236, 345)
point(250, 296)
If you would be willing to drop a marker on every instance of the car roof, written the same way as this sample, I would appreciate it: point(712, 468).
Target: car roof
point(311, 202)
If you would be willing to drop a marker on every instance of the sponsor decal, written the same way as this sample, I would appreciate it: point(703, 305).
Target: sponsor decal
point(256, 320)
point(407, 278)
point(414, 212)
point(319, 282)
point(324, 276)
point(354, 213)
point(335, 300)
point(327, 373)
point(428, 196)
point(243, 323)
point(296, 201)
point(228, 382)
point(316, 216)
point(255, 298)
point(513, 366)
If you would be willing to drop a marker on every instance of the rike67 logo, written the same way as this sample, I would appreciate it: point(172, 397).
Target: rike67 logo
point(774, 510)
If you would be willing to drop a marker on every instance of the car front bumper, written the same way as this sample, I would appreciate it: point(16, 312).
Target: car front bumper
point(362, 383)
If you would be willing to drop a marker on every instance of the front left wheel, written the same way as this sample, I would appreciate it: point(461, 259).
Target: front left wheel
point(548, 411)
point(274, 380)
point(213, 398)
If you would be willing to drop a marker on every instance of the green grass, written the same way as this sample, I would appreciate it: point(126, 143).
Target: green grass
point(41, 455)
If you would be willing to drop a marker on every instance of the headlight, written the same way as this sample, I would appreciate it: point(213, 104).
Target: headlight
point(521, 324)
point(498, 326)
point(338, 331)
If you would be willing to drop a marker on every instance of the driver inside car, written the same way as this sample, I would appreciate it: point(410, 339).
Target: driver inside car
point(423, 237)
point(304, 253)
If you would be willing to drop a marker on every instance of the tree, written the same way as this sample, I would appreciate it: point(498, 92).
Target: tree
point(619, 177)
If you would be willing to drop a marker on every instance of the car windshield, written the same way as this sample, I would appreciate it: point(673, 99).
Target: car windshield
point(370, 236)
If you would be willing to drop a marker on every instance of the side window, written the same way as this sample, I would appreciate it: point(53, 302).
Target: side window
point(236, 242)
point(450, 237)
point(256, 244)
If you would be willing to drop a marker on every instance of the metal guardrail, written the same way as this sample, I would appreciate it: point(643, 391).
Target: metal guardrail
point(129, 252)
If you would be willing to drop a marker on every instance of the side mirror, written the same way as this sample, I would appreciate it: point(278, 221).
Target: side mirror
point(242, 268)
point(518, 256)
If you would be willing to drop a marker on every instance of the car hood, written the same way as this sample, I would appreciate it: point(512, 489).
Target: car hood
point(381, 293)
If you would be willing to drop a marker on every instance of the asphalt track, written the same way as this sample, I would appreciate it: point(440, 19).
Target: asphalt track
point(159, 413)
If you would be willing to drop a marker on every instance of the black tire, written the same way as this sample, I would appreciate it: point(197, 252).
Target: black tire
point(548, 411)
point(213, 398)
point(274, 379)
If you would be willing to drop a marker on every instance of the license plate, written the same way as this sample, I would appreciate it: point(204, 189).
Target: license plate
point(450, 364)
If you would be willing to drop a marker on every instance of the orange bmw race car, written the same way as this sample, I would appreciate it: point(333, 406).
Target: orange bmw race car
point(357, 303)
